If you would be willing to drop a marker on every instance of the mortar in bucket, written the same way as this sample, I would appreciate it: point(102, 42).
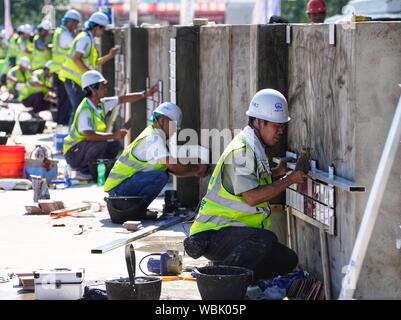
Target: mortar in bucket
point(133, 288)
point(223, 282)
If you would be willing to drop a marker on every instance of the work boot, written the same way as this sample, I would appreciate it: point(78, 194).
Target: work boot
point(80, 176)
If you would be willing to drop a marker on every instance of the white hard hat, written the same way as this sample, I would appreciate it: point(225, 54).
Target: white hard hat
point(92, 77)
point(24, 62)
point(48, 64)
point(20, 28)
point(73, 14)
point(99, 18)
point(45, 25)
point(3, 33)
point(170, 110)
point(269, 105)
point(27, 28)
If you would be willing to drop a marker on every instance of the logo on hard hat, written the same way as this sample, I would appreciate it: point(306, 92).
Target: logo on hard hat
point(256, 105)
point(279, 107)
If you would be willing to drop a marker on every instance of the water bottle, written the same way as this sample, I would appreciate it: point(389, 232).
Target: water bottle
point(67, 175)
point(101, 174)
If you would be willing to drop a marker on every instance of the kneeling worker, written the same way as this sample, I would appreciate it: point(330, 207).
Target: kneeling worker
point(142, 169)
point(87, 140)
point(232, 226)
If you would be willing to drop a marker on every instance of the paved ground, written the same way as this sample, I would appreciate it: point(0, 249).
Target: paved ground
point(31, 242)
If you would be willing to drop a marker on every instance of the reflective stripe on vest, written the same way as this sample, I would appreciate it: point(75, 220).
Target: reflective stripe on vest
point(39, 57)
point(58, 54)
point(220, 209)
point(127, 165)
point(69, 68)
point(98, 121)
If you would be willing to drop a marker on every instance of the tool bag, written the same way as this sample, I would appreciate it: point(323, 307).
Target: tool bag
point(39, 162)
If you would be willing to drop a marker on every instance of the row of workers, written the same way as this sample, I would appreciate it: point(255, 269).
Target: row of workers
point(232, 226)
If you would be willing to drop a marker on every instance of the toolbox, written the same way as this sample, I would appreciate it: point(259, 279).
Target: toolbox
point(59, 284)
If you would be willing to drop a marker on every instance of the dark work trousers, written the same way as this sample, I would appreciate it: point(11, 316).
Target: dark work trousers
point(256, 249)
point(83, 153)
point(37, 102)
point(64, 108)
point(75, 94)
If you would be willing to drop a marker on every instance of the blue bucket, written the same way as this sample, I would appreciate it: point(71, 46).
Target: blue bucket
point(59, 141)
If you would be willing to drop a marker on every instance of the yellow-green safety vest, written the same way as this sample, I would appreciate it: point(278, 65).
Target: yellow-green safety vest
point(12, 46)
point(30, 89)
point(39, 57)
point(219, 208)
point(98, 120)
point(3, 50)
point(29, 46)
point(128, 165)
point(21, 77)
point(69, 69)
point(59, 55)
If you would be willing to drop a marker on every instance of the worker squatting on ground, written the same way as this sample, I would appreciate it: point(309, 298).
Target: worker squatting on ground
point(83, 56)
point(316, 10)
point(87, 140)
point(41, 52)
point(232, 226)
point(36, 92)
point(143, 167)
point(61, 44)
point(18, 76)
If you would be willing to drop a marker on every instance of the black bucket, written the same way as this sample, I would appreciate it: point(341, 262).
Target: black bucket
point(41, 126)
point(3, 141)
point(7, 126)
point(33, 126)
point(133, 288)
point(123, 209)
point(109, 163)
point(223, 282)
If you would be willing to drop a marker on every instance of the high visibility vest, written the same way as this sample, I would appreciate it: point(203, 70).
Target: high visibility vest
point(98, 120)
point(128, 165)
point(219, 208)
point(59, 55)
point(69, 69)
point(21, 77)
point(3, 51)
point(39, 57)
point(30, 89)
point(29, 46)
point(12, 46)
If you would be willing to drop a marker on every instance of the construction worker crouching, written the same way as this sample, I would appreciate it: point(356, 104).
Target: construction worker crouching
point(142, 169)
point(35, 93)
point(87, 140)
point(232, 226)
point(41, 46)
point(61, 43)
point(84, 56)
point(18, 76)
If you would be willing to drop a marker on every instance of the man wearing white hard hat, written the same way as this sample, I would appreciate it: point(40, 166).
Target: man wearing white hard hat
point(84, 56)
point(41, 46)
point(142, 169)
point(61, 43)
point(18, 76)
point(24, 42)
point(35, 93)
point(87, 140)
point(12, 51)
point(232, 226)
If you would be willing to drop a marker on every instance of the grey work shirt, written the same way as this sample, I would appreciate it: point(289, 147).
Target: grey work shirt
point(239, 172)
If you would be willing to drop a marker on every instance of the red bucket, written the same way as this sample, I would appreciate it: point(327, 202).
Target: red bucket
point(12, 161)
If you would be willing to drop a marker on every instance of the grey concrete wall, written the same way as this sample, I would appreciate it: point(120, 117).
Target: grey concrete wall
point(159, 58)
point(342, 100)
point(377, 75)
